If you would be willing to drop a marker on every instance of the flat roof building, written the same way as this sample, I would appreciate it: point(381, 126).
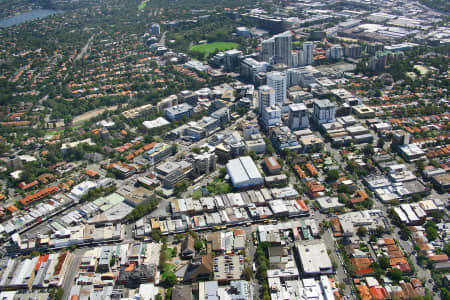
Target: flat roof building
point(313, 257)
point(244, 173)
point(178, 112)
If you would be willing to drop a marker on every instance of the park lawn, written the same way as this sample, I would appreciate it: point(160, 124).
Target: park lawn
point(207, 49)
point(142, 5)
point(197, 194)
point(62, 130)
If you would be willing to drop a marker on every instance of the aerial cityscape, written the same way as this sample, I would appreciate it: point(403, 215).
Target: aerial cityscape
point(224, 149)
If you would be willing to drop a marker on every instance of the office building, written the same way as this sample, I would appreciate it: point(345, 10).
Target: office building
point(251, 67)
point(266, 97)
point(324, 111)
point(203, 164)
point(158, 152)
point(243, 31)
point(308, 53)
point(178, 112)
point(231, 59)
point(298, 116)
point(278, 82)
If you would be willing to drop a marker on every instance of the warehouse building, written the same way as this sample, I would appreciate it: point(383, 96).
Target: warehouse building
point(243, 173)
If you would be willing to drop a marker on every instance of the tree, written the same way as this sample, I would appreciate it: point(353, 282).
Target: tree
point(269, 147)
point(420, 166)
point(156, 236)
point(333, 175)
point(384, 262)
point(198, 245)
point(112, 262)
point(59, 293)
point(405, 232)
point(432, 233)
point(181, 186)
point(362, 231)
point(170, 280)
point(343, 188)
point(247, 273)
point(395, 274)
point(447, 249)
point(368, 150)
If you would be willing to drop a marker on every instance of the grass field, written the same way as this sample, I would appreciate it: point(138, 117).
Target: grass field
point(206, 49)
point(142, 5)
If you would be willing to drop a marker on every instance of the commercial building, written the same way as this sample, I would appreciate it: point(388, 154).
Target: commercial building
point(328, 204)
point(313, 258)
point(244, 173)
point(178, 112)
point(257, 145)
point(363, 111)
point(231, 59)
point(158, 152)
point(203, 163)
point(441, 182)
point(298, 116)
point(172, 172)
point(81, 189)
point(411, 152)
point(243, 31)
point(158, 122)
point(324, 111)
point(251, 67)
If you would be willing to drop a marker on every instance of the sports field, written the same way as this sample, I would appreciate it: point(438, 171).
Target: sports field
point(206, 49)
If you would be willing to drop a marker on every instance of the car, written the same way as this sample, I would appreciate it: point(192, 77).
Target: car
point(430, 280)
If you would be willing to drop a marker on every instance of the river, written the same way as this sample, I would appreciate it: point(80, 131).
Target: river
point(27, 16)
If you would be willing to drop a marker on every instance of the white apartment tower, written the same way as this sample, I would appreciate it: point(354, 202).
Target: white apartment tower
point(267, 50)
point(278, 81)
point(278, 49)
point(336, 52)
point(266, 97)
point(283, 48)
